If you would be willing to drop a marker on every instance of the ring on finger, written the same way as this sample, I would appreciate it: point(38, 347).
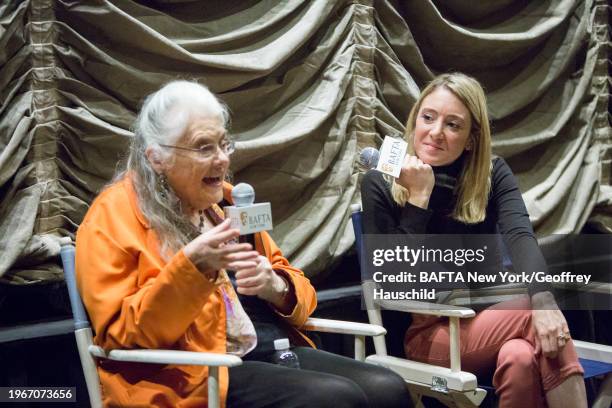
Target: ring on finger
point(563, 336)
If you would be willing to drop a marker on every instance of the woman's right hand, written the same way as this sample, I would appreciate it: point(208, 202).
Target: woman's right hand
point(418, 178)
point(210, 251)
point(552, 332)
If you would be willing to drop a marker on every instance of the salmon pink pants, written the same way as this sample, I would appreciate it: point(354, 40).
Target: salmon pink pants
point(499, 340)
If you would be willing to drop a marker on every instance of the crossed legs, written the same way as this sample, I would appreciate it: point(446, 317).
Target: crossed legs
point(501, 340)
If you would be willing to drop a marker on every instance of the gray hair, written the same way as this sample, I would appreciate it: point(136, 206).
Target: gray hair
point(163, 118)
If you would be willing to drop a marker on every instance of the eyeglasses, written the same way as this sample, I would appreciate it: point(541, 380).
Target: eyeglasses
point(208, 150)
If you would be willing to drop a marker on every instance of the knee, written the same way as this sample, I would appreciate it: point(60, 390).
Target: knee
point(385, 388)
point(517, 355)
point(336, 392)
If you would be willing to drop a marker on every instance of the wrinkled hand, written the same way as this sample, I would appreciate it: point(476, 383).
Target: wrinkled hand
point(418, 178)
point(261, 281)
point(549, 323)
point(210, 251)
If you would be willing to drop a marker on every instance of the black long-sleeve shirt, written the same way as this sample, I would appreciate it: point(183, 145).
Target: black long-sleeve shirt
point(505, 214)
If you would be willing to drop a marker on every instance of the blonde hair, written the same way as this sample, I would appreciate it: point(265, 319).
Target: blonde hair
point(474, 183)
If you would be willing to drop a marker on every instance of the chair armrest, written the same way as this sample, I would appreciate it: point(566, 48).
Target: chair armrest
point(424, 374)
point(593, 351)
point(343, 327)
point(498, 290)
point(435, 309)
point(601, 288)
point(170, 357)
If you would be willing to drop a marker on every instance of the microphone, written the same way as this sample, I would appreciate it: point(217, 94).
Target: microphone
point(243, 194)
point(246, 216)
point(369, 157)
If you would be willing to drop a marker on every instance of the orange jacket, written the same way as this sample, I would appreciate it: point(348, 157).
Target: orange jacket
point(135, 299)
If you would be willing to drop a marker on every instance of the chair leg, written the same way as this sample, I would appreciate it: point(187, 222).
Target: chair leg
point(604, 398)
point(213, 387)
point(454, 399)
point(360, 348)
point(417, 400)
point(455, 347)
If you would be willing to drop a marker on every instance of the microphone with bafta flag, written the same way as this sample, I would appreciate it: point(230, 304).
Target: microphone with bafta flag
point(245, 215)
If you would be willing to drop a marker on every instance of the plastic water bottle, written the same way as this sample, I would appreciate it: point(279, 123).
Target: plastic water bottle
point(283, 355)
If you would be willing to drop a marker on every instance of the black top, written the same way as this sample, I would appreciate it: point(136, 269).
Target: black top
point(269, 326)
point(505, 214)
point(267, 323)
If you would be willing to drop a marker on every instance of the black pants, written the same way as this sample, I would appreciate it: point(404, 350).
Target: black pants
point(324, 380)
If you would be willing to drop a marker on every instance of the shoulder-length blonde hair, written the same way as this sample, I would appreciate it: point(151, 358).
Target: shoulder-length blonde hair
point(474, 183)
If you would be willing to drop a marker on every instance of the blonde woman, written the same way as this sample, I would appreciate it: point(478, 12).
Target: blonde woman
point(527, 344)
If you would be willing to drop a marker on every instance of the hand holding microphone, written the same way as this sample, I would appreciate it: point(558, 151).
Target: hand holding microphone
point(213, 250)
point(258, 279)
point(409, 171)
point(418, 178)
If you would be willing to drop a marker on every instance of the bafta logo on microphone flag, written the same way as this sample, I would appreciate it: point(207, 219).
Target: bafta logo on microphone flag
point(385, 168)
point(250, 219)
point(392, 154)
point(245, 215)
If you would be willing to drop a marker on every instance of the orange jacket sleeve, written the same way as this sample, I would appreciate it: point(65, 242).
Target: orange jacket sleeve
point(305, 293)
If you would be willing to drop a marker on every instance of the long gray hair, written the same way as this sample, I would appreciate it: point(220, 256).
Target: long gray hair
point(163, 118)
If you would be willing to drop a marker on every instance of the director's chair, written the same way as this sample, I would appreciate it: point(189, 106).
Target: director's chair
point(454, 387)
point(451, 386)
point(89, 353)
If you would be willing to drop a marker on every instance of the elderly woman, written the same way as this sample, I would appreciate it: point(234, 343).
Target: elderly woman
point(153, 255)
point(527, 342)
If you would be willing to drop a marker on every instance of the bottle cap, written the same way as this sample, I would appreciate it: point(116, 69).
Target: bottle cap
point(281, 344)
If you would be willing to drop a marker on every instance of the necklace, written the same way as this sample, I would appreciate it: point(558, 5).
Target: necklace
point(201, 225)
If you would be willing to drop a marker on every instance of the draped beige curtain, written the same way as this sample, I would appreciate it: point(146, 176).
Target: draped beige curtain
point(309, 83)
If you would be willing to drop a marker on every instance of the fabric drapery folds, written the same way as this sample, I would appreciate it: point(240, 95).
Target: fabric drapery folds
point(308, 83)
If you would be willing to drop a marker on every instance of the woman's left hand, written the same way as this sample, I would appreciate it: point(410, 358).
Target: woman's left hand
point(263, 282)
point(552, 332)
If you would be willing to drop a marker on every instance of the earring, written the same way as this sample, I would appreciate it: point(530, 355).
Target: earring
point(162, 186)
point(229, 177)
